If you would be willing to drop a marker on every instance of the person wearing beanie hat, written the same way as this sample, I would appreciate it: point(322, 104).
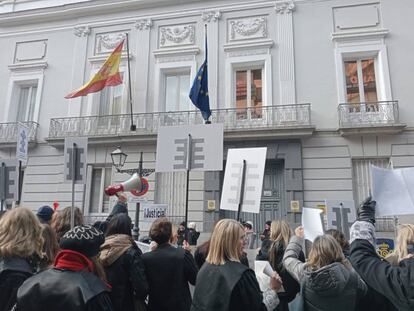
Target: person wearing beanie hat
point(44, 214)
point(75, 283)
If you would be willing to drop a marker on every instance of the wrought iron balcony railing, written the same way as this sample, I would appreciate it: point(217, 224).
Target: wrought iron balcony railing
point(234, 119)
point(368, 114)
point(8, 131)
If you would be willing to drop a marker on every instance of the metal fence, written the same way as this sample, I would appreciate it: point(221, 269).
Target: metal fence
point(280, 116)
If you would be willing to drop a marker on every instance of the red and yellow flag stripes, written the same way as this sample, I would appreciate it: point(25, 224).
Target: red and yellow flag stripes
point(108, 75)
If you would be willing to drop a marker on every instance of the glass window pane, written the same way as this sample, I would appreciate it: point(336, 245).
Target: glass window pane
point(104, 103)
point(171, 93)
point(33, 94)
point(185, 103)
point(368, 74)
point(241, 94)
point(23, 102)
point(256, 93)
point(95, 190)
point(108, 173)
point(352, 83)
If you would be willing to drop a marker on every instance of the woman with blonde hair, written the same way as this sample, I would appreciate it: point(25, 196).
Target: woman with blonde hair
point(223, 283)
point(405, 245)
point(273, 250)
point(20, 251)
point(61, 221)
point(328, 281)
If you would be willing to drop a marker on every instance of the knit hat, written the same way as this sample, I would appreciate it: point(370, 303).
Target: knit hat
point(45, 213)
point(83, 239)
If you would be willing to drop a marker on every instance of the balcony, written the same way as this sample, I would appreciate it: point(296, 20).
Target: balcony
point(8, 133)
point(369, 118)
point(270, 121)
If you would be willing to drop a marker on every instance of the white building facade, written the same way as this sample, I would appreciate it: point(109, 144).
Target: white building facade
point(323, 84)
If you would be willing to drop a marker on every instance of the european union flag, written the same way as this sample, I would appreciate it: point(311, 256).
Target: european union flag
point(199, 90)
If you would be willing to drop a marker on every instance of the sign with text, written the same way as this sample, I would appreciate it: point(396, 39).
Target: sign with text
point(393, 190)
point(9, 180)
point(81, 155)
point(205, 148)
point(22, 143)
point(255, 163)
point(153, 211)
point(341, 215)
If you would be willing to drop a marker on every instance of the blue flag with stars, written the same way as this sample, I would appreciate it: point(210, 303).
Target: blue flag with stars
point(199, 90)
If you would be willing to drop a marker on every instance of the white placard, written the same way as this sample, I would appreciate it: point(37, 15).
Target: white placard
point(81, 159)
point(263, 272)
point(22, 143)
point(153, 211)
point(206, 152)
point(312, 223)
point(393, 190)
point(340, 215)
point(255, 164)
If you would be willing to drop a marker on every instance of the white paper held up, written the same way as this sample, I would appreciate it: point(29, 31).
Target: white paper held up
point(393, 190)
point(312, 223)
point(264, 271)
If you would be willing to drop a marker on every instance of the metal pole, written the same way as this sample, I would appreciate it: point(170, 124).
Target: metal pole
point(133, 126)
point(3, 186)
point(135, 230)
point(72, 208)
point(188, 168)
point(241, 195)
point(19, 186)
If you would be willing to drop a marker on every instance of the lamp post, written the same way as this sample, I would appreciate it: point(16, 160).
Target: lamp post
point(118, 160)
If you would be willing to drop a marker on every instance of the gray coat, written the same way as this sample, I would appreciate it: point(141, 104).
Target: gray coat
point(333, 287)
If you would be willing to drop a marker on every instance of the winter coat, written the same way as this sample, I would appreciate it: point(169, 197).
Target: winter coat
point(333, 287)
point(290, 285)
point(181, 236)
point(192, 236)
point(169, 270)
point(124, 269)
point(393, 282)
point(229, 287)
point(13, 272)
point(63, 290)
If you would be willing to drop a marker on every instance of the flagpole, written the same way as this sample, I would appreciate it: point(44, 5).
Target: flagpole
point(205, 46)
point(133, 126)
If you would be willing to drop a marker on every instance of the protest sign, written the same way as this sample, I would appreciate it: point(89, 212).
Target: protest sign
point(312, 223)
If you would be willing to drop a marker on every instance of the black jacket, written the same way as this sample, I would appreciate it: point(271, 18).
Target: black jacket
point(396, 283)
point(13, 272)
point(168, 270)
point(63, 290)
point(228, 287)
point(192, 236)
point(127, 278)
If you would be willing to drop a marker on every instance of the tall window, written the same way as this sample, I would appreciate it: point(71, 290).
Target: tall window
point(248, 93)
point(98, 200)
point(361, 81)
point(26, 102)
point(177, 88)
point(110, 100)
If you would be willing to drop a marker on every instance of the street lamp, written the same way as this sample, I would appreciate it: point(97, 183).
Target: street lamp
point(118, 160)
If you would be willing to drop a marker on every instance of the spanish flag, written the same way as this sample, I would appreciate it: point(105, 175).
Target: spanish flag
point(108, 75)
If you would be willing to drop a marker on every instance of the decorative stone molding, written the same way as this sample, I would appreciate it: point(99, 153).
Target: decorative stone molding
point(209, 16)
point(249, 47)
point(176, 35)
point(248, 28)
point(28, 66)
point(81, 31)
point(143, 24)
point(284, 6)
point(105, 43)
point(176, 53)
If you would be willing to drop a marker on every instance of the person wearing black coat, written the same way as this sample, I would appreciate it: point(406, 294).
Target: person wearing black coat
point(123, 265)
point(168, 270)
point(20, 251)
point(75, 283)
point(395, 283)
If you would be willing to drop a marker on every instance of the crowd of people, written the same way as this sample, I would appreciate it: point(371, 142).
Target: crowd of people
point(44, 263)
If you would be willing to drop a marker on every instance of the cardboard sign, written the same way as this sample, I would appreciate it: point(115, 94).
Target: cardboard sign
point(341, 215)
point(255, 163)
point(81, 162)
point(192, 147)
point(393, 190)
